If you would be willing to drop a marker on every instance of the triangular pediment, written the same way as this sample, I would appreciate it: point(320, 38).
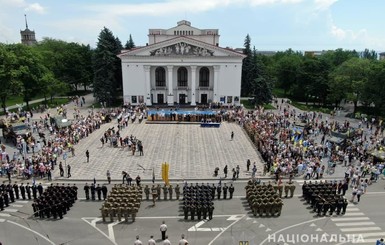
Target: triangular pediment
point(181, 46)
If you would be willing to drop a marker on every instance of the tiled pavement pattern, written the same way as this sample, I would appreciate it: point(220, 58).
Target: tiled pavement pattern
point(192, 152)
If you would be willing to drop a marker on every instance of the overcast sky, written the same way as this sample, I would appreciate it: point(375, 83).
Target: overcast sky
point(271, 24)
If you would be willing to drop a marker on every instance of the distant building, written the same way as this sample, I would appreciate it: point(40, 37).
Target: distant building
point(182, 65)
point(314, 53)
point(27, 36)
point(382, 56)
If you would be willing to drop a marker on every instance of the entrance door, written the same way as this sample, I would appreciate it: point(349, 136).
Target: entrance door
point(203, 98)
point(182, 99)
point(160, 98)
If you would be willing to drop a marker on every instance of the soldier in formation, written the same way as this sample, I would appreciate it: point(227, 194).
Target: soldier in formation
point(323, 198)
point(9, 193)
point(197, 202)
point(123, 201)
point(263, 199)
point(55, 201)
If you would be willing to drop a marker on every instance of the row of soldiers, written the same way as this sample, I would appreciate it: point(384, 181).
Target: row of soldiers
point(99, 190)
point(323, 198)
point(197, 200)
point(122, 201)
point(156, 190)
point(263, 199)
point(9, 193)
point(55, 201)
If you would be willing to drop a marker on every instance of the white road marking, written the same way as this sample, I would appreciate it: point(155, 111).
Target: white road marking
point(376, 234)
point(354, 214)
point(215, 238)
point(4, 215)
point(111, 233)
point(11, 210)
point(355, 224)
point(93, 224)
point(361, 229)
point(19, 201)
point(289, 227)
point(349, 219)
point(2, 220)
point(352, 209)
point(28, 229)
point(16, 206)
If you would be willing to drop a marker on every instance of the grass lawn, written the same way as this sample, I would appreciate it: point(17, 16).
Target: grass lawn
point(55, 102)
point(309, 107)
point(279, 93)
point(250, 106)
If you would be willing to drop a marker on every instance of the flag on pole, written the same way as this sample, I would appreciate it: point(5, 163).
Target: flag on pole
point(153, 175)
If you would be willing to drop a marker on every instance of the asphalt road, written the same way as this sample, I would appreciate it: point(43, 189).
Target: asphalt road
point(232, 223)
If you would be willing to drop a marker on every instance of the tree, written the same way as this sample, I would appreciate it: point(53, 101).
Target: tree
point(370, 55)
point(130, 43)
point(107, 67)
point(8, 75)
point(30, 71)
point(286, 71)
point(354, 73)
point(248, 69)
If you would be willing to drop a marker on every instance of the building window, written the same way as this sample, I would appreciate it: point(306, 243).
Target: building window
point(204, 77)
point(160, 77)
point(192, 32)
point(182, 77)
point(134, 99)
point(174, 33)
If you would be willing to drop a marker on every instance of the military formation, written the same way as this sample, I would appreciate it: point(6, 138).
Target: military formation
point(264, 200)
point(95, 190)
point(197, 202)
point(122, 201)
point(10, 193)
point(156, 190)
point(323, 198)
point(55, 201)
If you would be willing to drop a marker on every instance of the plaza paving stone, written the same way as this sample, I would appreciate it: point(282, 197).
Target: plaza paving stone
point(191, 151)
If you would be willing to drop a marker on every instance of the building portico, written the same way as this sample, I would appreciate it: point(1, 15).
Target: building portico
point(181, 70)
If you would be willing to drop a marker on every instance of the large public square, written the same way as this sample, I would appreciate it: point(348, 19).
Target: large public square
point(193, 153)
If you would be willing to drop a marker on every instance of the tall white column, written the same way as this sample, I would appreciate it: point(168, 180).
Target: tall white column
point(216, 83)
point(170, 87)
point(147, 85)
point(193, 80)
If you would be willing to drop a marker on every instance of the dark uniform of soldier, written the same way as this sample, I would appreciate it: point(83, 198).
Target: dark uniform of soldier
point(28, 190)
point(199, 212)
point(10, 192)
point(1, 201)
point(93, 190)
point(104, 192)
point(40, 189)
point(170, 191)
point(87, 191)
point(192, 211)
point(225, 188)
point(213, 192)
point(22, 191)
point(211, 210)
point(219, 190)
point(231, 191)
point(16, 190)
point(185, 211)
point(99, 191)
point(34, 191)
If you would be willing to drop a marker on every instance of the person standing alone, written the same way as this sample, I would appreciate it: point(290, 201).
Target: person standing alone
point(232, 135)
point(88, 156)
point(163, 229)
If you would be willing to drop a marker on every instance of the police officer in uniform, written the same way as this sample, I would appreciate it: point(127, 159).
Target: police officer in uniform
point(28, 190)
point(231, 191)
point(87, 191)
point(225, 188)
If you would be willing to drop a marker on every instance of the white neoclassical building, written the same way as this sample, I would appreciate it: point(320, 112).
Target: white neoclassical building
point(182, 65)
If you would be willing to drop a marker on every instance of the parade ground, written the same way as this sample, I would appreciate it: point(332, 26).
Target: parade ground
point(191, 151)
point(232, 223)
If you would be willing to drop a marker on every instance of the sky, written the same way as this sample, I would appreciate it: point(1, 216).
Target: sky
point(273, 25)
